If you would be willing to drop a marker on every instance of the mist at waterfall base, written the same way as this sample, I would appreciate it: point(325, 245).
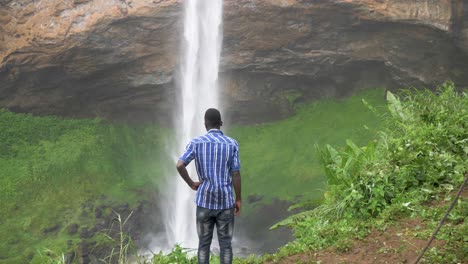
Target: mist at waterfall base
point(202, 41)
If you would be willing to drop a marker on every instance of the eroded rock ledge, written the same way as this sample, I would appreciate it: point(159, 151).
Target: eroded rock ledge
point(118, 59)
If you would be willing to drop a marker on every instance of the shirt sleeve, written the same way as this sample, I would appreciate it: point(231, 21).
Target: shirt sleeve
point(189, 153)
point(235, 164)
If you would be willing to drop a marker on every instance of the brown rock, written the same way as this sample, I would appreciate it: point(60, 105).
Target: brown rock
point(51, 229)
point(119, 60)
point(72, 229)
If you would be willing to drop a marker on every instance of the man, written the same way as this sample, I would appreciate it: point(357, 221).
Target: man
point(218, 168)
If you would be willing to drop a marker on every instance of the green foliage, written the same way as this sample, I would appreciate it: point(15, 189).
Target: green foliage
point(358, 185)
point(421, 154)
point(124, 243)
point(314, 231)
point(50, 257)
point(424, 146)
point(279, 159)
point(429, 143)
point(50, 166)
point(177, 255)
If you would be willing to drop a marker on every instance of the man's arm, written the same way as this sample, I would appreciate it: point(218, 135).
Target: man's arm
point(184, 174)
point(236, 180)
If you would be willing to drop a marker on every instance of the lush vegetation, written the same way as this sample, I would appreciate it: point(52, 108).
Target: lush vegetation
point(378, 176)
point(279, 160)
point(420, 156)
point(51, 166)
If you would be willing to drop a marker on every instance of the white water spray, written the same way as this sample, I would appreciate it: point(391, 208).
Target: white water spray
point(202, 47)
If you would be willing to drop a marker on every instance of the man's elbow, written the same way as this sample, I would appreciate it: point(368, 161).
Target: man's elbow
point(236, 174)
point(180, 164)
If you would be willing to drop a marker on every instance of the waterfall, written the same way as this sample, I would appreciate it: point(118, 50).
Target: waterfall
point(199, 91)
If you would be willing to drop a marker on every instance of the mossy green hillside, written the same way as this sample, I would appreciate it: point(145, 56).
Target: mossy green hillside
point(279, 160)
point(51, 166)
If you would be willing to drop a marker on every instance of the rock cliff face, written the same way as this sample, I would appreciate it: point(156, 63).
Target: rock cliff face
point(118, 59)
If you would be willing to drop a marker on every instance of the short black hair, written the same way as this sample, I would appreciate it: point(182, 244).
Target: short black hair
point(213, 118)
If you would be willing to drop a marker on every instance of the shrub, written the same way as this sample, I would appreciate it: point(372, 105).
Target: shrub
point(424, 145)
point(422, 150)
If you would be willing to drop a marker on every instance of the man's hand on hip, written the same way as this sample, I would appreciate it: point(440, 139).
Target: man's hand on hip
point(195, 185)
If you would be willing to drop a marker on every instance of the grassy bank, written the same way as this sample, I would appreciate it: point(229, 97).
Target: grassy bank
point(279, 160)
point(50, 167)
point(407, 175)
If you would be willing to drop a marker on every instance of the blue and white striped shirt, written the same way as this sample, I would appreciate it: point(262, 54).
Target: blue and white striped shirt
point(216, 156)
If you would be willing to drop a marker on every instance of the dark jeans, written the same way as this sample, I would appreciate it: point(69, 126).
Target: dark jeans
point(206, 220)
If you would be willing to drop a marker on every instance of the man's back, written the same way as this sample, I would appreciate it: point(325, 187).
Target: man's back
point(216, 156)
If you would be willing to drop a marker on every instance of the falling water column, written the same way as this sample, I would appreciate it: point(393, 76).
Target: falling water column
point(202, 46)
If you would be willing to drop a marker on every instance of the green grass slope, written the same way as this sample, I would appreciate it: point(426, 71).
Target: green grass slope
point(279, 160)
point(49, 167)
